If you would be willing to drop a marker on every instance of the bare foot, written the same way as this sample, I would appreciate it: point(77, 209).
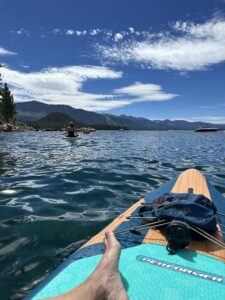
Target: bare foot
point(105, 282)
point(107, 272)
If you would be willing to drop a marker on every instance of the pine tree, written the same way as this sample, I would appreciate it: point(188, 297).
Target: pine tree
point(8, 107)
point(0, 93)
point(1, 66)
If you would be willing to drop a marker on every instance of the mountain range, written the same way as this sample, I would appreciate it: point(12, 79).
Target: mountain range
point(34, 111)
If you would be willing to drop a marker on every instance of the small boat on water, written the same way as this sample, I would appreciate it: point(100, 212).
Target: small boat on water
point(206, 129)
point(173, 247)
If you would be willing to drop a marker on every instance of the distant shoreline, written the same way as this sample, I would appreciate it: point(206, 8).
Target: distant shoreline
point(57, 116)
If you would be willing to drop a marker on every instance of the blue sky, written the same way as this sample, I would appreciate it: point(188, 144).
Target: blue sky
point(150, 58)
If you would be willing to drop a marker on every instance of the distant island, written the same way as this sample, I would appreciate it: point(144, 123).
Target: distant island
point(55, 117)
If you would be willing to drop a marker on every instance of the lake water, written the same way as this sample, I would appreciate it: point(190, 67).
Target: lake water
point(57, 192)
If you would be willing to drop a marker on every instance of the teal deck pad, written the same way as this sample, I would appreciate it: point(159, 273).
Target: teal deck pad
point(146, 281)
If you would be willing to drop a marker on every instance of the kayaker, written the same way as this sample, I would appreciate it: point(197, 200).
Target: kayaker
point(105, 281)
point(71, 130)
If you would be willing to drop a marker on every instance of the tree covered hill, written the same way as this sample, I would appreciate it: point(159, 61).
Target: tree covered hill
point(58, 121)
point(52, 121)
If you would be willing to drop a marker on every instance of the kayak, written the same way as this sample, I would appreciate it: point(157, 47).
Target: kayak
point(149, 268)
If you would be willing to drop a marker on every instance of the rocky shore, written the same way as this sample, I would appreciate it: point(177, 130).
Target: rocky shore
point(17, 126)
point(20, 126)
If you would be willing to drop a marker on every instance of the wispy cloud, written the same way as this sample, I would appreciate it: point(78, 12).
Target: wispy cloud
point(56, 31)
point(25, 66)
point(4, 52)
point(65, 86)
point(187, 47)
point(103, 34)
point(106, 34)
point(70, 32)
point(62, 86)
point(95, 31)
point(145, 92)
point(21, 31)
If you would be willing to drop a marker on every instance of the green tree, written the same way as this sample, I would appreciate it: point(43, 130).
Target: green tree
point(7, 107)
point(0, 93)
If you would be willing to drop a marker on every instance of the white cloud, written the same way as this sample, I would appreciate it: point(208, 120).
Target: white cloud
point(4, 52)
point(78, 32)
point(63, 86)
point(70, 32)
point(25, 66)
point(145, 92)
point(95, 31)
point(21, 31)
point(108, 34)
point(189, 47)
point(84, 32)
point(56, 31)
point(118, 36)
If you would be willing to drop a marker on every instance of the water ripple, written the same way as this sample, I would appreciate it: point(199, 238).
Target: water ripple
point(57, 192)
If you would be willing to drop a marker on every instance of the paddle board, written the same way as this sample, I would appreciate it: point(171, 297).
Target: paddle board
point(148, 270)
